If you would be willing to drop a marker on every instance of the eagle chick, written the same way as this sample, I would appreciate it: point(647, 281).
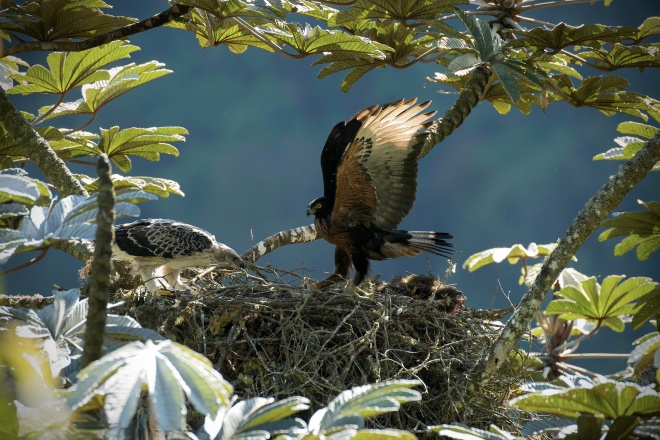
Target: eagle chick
point(159, 249)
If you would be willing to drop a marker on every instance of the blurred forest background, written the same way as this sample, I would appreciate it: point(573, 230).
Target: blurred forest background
point(258, 122)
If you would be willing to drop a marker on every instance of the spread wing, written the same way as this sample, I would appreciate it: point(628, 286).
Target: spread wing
point(339, 139)
point(161, 238)
point(376, 178)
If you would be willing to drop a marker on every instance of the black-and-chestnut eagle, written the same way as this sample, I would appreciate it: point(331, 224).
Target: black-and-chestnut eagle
point(369, 166)
point(159, 249)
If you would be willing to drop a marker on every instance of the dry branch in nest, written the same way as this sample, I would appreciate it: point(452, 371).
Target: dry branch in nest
point(269, 336)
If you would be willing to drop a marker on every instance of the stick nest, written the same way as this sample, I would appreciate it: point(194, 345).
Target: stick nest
point(270, 336)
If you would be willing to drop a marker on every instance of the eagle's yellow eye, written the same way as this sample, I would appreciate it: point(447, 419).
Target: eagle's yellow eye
point(318, 206)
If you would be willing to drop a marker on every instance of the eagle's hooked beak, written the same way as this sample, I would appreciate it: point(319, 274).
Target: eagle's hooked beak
point(309, 211)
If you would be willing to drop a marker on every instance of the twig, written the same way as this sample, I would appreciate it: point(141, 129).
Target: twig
point(26, 264)
point(154, 21)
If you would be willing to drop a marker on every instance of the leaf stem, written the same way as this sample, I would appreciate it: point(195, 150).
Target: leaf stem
point(248, 27)
point(40, 118)
point(26, 264)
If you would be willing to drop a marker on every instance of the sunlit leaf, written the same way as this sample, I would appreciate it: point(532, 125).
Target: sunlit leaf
point(564, 35)
point(167, 370)
point(17, 187)
point(649, 306)
point(609, 399)
point(461, 432)
point(604, 304)
point(644, 354)
point(512, 254)
point(148, 143)
point(60, 19)
point(387, 10)
point(641, 227)
point(68, 70)
point(604, 93)
point(154, 185)
point(119, 80)
point(620, 56)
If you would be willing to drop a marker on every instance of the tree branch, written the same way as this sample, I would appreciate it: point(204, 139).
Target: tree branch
point(302, 234)
point(596, 210)
point(38, 149)
point(99, 282)
point(157, 20)
point(469, 97)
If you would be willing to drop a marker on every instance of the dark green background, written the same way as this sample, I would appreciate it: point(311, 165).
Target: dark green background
point(258, 122)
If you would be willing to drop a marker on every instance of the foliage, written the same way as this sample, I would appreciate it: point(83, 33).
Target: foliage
point(69, 219)
point(532, 66)
point(604, 304)
point(629, 145)
point(586, 405)
point(641, 227)
point(58, 330)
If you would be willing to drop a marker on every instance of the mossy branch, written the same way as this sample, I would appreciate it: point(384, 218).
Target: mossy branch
point(596, 210)
point(99, 282)
point(38, 149)
point(157, 20)
point(468, 99)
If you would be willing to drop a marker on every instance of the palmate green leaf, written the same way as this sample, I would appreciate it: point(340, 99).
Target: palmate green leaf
point(604, 304)
point(351, 407)
point(486, 42)
point(641, 227)
point(609, 399)
point(365, 10)
point(461, 432)
point(644, 354)
point(237, 8)
point(338, 62)
point(629, 145)
point(119, 81)
point(16, 186)
point(60, 19)
point(507, 81)
point(168, 371)
point(649, 307)
point(621, 56)
point(254, 418)
point(211, 31)
point(68, 70)
point(649, 28)
point(636, 128)
point(604, 93)
point(69, 219)
point(154, 185)
point(564, 35)
point(148, 143)
point(318, 11)
point(512, 254)
point(310, 40)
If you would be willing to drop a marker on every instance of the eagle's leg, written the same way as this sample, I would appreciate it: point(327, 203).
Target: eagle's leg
point(342, 265)
point(172, 276)
point(361, 265)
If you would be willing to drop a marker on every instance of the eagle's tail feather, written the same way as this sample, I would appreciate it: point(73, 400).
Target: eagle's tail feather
point(408, 243)
point(430, 241)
